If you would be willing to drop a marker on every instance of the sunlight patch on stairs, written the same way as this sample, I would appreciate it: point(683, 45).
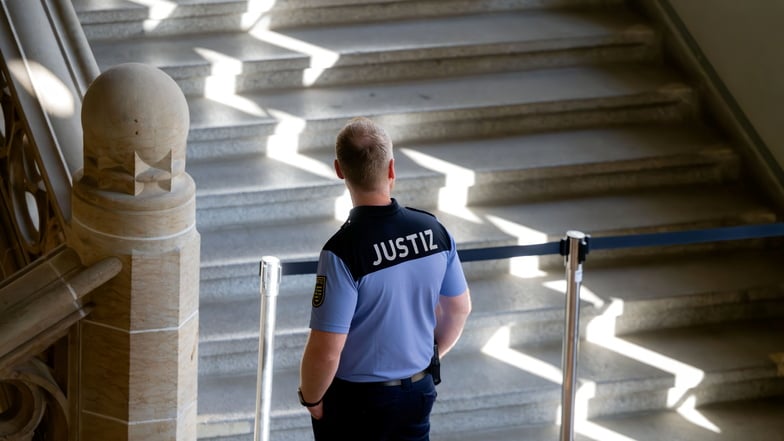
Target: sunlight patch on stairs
point(221, 85)
point(688, 410)
point(343, 206)
point(255, 12)
point(525, 267)
point(599, 433)
point(283, 145)
point(498, 347)
point(601, 331)
point(228, 428)
point(453, 196)
point(586, 294)
point(321, 59)
point(160, 10)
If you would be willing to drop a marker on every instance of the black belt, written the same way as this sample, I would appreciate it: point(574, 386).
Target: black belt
point(414, 378)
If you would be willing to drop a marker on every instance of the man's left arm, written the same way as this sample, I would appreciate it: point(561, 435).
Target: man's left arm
point(451, 315)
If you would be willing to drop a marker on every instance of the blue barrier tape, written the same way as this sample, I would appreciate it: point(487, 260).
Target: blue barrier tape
point(507, 252)
point(688, 237)
point(294, 268)
point(597, 243)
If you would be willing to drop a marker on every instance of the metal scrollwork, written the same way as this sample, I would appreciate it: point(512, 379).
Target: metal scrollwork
point(22, 184)
point(32, 405)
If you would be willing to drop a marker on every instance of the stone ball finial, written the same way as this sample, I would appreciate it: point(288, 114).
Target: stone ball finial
point(135, 121)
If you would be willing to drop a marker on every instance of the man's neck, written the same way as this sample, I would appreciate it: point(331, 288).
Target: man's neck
point(370, 198)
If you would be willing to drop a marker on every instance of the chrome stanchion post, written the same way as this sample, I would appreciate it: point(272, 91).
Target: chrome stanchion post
point(574, 247)
point(269, 284)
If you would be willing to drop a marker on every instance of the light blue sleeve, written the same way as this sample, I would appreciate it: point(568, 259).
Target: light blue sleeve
point(454, 282)
point(334, 296)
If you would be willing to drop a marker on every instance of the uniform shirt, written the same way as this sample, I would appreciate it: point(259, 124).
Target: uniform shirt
point(378, 280)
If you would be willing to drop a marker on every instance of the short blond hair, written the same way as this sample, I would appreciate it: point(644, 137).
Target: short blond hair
point(363, 149)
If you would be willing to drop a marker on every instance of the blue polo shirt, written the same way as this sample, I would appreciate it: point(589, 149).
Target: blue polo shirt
point(378, 280)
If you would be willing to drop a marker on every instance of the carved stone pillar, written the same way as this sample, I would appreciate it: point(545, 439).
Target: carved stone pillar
point(134, 200)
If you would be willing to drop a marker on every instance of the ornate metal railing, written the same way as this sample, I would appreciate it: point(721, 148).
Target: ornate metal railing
point(45, 68)
point(36, 221)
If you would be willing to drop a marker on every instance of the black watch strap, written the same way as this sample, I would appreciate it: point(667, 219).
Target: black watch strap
point(305, 403)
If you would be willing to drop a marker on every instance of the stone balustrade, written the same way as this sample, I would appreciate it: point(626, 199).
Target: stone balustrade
point(133, 200)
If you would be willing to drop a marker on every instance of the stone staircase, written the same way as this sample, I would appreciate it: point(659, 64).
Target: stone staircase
point(514, 121)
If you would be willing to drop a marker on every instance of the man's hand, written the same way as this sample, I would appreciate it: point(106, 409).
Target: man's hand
point(317, 411)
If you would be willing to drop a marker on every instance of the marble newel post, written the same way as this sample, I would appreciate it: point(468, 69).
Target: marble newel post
point(133, 200)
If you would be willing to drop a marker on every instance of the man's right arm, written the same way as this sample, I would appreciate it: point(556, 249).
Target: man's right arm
point(451, 316)
point(319, 365)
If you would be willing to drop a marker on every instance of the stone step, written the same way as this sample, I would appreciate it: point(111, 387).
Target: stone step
point(231, 253)
point(641, 372)
point(748, 420)
point(530, 166)
point(116, 19)
point(387, 51)
point(295, 121)
point(693, 290)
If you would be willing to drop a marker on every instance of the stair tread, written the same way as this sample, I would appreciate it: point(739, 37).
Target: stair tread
point(529, 223)
point(752, 420)
point(469, 93)
point(645, 210)
point(701, 356)
point(698, 281)
point(85, 6)
point(577, 150)
point(642, 361)
point(328, 45)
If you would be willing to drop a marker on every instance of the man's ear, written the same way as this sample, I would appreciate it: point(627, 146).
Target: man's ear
point(391, 174)
point(338, 171)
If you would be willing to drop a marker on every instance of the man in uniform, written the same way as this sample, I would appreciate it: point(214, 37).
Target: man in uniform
point(389, 284)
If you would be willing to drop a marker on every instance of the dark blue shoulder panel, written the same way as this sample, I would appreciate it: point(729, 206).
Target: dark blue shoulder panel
point(371, 243)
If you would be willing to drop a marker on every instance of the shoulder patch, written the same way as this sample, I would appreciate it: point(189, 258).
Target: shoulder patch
point(319, 291)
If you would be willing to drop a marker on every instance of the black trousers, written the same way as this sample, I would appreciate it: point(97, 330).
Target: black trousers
point(376, 412)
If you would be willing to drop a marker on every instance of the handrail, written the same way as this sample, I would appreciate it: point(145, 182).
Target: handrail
point(73, 42)
point(39, 308)
point(44, 300)
point(574, 247)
